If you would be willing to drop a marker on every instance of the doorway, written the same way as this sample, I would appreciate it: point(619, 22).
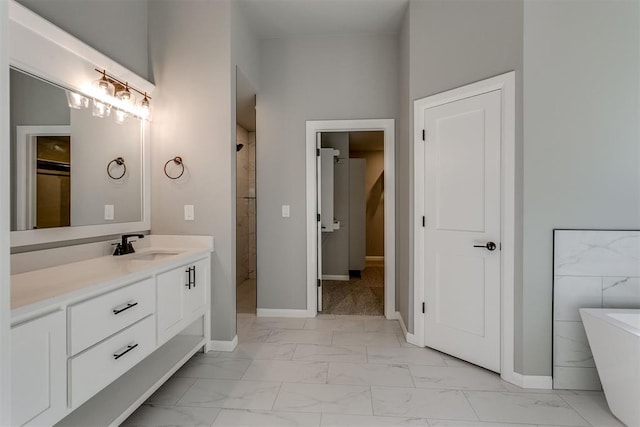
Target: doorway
point(315, 130)
point(352, 217)
point(464, 180)
point(246, 284)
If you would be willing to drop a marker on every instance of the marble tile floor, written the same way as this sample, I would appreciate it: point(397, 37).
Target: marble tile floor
point(351, 371)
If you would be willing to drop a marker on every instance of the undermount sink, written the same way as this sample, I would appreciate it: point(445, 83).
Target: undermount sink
point(153, 256)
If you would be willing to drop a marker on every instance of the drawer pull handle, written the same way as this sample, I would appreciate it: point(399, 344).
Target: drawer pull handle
point(129, 348)
point(128, 306)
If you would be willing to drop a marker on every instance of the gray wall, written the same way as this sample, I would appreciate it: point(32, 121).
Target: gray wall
point(194, 54)
point(307, 78)
point(581, 150)
point(190, 60)
point(374, 199)
point(404, 180)
point(117, 28)
point(451, 43)
point(335, 245)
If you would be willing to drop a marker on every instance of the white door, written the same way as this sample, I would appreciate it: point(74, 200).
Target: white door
point(462, 228)
point(318, 222)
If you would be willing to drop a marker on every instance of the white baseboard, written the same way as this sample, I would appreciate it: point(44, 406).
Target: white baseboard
point(275, 312)
point(530, 381)
point(215, 345)
point(411, 339)
point(335, 277)
point(374, 258)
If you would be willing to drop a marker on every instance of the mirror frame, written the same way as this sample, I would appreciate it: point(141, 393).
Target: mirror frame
point(40, 48)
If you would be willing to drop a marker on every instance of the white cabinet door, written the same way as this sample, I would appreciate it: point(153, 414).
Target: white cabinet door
point(39, 370)
point(170, 310)
point(182, 297)
point(195, 295)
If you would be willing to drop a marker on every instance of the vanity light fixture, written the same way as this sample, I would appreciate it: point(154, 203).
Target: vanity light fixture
point(109, 92)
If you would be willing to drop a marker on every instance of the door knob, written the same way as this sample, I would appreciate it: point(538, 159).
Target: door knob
point(490, 246)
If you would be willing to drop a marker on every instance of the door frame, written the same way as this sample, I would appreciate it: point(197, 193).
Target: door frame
point(505, 83)
point(26, 138)
point(388, 127)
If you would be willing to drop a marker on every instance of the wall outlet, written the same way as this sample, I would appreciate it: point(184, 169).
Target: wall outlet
point(189, 214)
point(108, 212)
point(286, 211)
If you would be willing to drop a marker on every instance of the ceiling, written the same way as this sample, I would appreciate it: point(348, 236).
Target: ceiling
point(286, 18)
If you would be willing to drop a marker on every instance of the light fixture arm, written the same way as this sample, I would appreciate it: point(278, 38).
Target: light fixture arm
point(118, 82)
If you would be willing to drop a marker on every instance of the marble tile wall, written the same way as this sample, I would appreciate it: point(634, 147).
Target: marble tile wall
point(245, 206)
point(592, 269)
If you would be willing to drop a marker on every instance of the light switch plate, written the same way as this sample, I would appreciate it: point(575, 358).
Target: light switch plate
point(286, 211)
point(189, 214)
point(108, 212)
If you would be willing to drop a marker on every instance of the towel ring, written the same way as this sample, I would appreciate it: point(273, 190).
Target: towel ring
point(120, 162)
point(178, 161)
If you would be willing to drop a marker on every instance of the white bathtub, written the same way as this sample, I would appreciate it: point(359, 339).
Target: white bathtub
point(614, 338)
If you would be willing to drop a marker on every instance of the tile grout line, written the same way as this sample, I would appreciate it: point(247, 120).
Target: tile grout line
point(466, 398)
point(572, 408)
point(371, 399)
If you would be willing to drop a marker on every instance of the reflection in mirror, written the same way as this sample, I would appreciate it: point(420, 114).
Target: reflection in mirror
point(61, 158)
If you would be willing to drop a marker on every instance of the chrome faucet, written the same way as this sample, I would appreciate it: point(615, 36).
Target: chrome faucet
point(125, 247)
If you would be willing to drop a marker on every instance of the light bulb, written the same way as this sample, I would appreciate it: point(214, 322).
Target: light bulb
point(100, 109)
point(145, 107)
point(76, 101)
point(103, 85)
point(121, 116)
point(126, 96)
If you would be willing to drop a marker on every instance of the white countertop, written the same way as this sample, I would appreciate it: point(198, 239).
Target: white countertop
point(44, 289)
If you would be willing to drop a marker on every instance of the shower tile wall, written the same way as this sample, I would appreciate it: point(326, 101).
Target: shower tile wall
point(245, 206)
point(592, 269)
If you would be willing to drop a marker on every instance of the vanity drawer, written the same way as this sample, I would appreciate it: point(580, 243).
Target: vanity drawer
point(93, 320)
point(97, 367)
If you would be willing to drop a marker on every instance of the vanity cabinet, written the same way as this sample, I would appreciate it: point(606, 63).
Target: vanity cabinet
point(39, 370)
point(92, 354)
point(182, 297)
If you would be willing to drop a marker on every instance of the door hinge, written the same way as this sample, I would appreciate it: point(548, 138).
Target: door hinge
point(317, 152)
point(424, 135)
point(318, 217)
point(423, 307)
point(319, 282)
point(424, 221)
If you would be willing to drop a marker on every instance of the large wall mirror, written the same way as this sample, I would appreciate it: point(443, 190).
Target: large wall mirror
point(69, 168)
point(73, 175)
